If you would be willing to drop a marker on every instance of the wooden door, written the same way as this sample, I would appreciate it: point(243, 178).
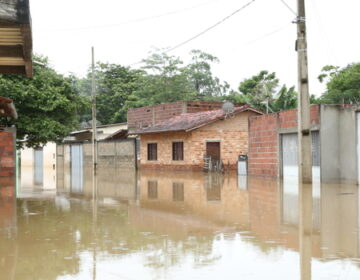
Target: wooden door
point(213, 150)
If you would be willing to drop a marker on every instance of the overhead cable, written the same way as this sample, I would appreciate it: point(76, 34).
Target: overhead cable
point(211, 27)
point(287, 6)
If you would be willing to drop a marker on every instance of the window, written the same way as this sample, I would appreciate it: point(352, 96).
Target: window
point(152, 151)
point(152, 189)
point(178, 151)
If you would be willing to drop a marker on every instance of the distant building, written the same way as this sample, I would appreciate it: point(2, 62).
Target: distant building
point(107, 132)
point(182, 141)
point(15, 38)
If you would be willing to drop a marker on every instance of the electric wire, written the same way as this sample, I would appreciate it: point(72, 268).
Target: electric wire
point(291, 10)
point(211, 27)
point(204, 31)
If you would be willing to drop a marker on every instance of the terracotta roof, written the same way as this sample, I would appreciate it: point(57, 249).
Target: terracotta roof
point(191, 121)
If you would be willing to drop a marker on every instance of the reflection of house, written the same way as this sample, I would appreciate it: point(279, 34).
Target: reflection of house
point(183, 141)
point(181, 203)
point(335, 134)
point(15, 38)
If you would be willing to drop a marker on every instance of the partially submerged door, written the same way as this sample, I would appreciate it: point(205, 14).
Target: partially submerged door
point(213, 150)
point(38, 167)
point(76, 168)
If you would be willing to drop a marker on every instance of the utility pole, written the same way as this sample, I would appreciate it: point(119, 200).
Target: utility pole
point(304, 125)
point(304, 148)
point(94, 131)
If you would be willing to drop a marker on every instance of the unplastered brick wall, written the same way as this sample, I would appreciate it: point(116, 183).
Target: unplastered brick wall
point(264, 132)
point(7, 152)
point(149, 115)
point(232, 134)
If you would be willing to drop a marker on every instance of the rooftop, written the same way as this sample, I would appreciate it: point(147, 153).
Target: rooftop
point(191, 121)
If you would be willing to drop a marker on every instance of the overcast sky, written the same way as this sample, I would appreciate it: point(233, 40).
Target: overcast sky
point(261, 36)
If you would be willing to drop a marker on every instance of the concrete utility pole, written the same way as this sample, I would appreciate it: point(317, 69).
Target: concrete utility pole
point(304, 147)
point(304, 125)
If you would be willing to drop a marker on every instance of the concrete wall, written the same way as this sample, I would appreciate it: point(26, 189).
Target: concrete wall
point(49, 166)
point(232, 134)
point(338, 144)
point(119, 154)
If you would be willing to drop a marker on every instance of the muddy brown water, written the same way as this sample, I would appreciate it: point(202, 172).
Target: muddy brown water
point(171, 225)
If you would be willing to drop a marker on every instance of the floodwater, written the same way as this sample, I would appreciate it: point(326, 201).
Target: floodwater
point(171, 225)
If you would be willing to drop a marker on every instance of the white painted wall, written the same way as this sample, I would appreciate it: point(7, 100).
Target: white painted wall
point(49, 163)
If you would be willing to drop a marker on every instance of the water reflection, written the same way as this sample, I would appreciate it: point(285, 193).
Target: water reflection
point(161, 225)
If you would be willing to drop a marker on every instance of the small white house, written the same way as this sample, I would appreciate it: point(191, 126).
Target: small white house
point(38, 167)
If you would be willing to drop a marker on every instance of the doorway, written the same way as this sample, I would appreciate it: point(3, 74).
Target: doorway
point(213, 150)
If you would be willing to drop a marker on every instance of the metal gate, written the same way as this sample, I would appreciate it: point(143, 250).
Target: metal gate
point(289, 148)
point(39, 167)
point(76, 168)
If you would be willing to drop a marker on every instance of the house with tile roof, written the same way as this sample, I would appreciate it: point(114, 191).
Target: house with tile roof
point(183, 141)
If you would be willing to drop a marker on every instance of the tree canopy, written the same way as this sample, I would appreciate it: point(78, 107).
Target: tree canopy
point(48, 105)
point(342, 85)
point(264, 92)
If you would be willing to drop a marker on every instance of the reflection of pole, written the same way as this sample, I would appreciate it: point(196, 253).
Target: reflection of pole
point(94, 230)
point(94, 133)
point(305, 230)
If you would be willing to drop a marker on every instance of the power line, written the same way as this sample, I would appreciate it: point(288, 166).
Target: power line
point(291, 10)
point(204, 31)
point(261, 37)
point(211, 27)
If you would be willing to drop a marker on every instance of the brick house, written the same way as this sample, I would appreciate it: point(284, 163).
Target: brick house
point(182, 141)
point(335, 143)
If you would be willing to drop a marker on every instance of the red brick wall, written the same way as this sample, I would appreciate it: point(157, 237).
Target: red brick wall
point(264, 139)
point(149, 115)
point(145, 116)
point(263, 145)
point(7, 153)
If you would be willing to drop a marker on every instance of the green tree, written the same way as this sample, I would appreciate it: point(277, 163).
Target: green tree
point(285, 99)
point(342, 85)
point(48, 105)
point(201, 77)
point(114, 84)
point(166, 80)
